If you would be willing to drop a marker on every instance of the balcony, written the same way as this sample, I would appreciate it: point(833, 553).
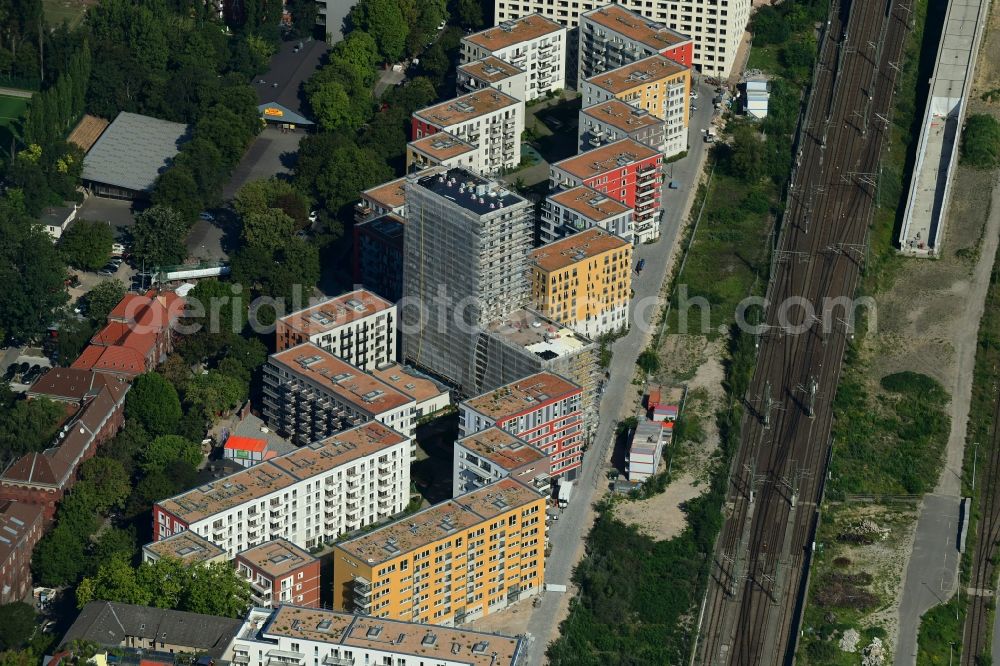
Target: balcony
point(333, 660)
point(241, 658)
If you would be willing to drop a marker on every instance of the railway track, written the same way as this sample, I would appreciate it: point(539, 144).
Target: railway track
point(977, 628)
point(762, 556)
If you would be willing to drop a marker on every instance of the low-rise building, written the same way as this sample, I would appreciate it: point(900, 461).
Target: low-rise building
point(459, 560)
point(654, 84)
point(571, 211)
point(309, 496)
point(188, 547)
point(21, 527)
point(544, 409)
point(489, 455)
point(533, 43)
point(294, 635)
point(645, 451)
point(279, 572)
point(492, 72)
point(310, 394)
point(115, 625)
point(488, 120)
point(756, 97)
point(584, 281)
point(358, 327)
point(247, 451)
point(615, 120)
point(381, 200)
point(377, 259)
point(612, 36)
point(441, 149)
point(627, 171)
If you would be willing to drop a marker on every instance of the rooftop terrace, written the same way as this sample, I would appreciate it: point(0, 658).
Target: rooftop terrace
point(277, 557)
point(640, 73)
point(516, 31)
point(608, 157)
point(589, 203)
point(501, 448)
point(573, 249)
point(336, 312)
point(522, 396)
point(467, 107)
point(537, 334)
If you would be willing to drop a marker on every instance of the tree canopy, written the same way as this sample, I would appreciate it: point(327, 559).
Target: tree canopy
point(17, 621)
point(158, 237)
point(981, 141)
point(165, 449)
point(153, 403)
point(87, 244)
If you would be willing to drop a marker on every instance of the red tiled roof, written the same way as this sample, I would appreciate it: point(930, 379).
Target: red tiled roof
point(36, 468)
point(150, 310)
point(246, 443)
point(113, 359)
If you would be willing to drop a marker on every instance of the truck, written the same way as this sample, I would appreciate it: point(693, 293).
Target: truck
point(565, 490)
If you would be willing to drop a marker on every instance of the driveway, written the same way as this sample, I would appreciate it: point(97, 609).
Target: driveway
point(271, 154)
point(567, 535)
point(115, 212)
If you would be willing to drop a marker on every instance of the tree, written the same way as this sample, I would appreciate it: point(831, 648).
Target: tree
point(769, 26)
point(268, 229)
point(158, 237)
point(103, 298)
point(59, 558)
point(87, 245)
point(216, 589)
point(17, 622)
point(746, 160)
point(335, 169)
point(167, 448)
point(126, 445)
point(109, 480)
point(213, 393)
point(648, 361)
point(981, 142)
point(177, 190)
point(29, 425)
point(152, 488)
point(153, 402)
point(278, 272)
point(115, 580)
point(384, 21)
point(333, 108)
point(114, 542)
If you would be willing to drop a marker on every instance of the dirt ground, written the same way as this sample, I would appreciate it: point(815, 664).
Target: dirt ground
point(660, 516)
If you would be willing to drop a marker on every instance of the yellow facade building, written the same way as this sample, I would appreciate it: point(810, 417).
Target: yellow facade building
point(458, 560)
point(656, 84)
point(584, 281)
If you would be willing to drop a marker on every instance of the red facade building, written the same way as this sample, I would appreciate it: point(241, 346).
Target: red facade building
point(21, 527)
point(279, 572)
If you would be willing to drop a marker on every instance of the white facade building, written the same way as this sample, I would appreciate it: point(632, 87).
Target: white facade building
point(571, 211)
point(615, 120)
point(489, 120)
point(358, 327)
point(533, 43)
point(646, 450)
point(715, 26)
point(309, 496)
point(492, 72)
point(487, 456)
point(296, 636)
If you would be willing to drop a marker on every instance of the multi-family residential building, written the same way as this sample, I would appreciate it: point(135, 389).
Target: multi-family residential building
point(188, 547)
point(358, 327)
point(627, 171)
point(381, 200)
point(489, 120)
point(612, 36)
point(21, 527)
point(491, 72)
point(655, 84)
point(297, 636)
point(441, 149)
point(377, 259)
point(467, 242)
point(459, 560)
point(715, 27)
point(279, 572)
point(310, 394)
point(429, 396)
point(584, 281)
point(571, 211)
point(533, 43)
point(309, 496)
point(615, 120)
point(545, 410)
point(489, 455)
point(645, 451)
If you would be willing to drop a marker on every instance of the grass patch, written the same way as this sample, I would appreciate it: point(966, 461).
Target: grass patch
point(12, 109)
point(69, 11)
point(939, 641)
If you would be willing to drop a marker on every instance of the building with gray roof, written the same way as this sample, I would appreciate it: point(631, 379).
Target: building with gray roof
point(131, 153)
point(112, 624)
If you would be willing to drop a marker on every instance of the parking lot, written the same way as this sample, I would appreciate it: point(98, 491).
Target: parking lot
point(272, 153)
point(22, 363)
point(115, 212)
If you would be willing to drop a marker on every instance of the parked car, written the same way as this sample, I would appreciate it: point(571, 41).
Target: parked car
point(117, 249)
point(313, 216)
point(674, 185)
point(639, 266)
point(205, 215)
point(108, 271)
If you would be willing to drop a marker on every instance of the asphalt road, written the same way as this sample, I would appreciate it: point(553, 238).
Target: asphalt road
point(932, 573)
point(567, 534)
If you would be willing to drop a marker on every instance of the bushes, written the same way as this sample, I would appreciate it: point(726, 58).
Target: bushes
point(87, 245)
point(981, 142)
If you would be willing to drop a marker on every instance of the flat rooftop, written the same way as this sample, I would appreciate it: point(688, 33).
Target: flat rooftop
point(467, 107)
point(133, 151)
point(469, 190)
point(522, 396)
point(622, 116)
point(637, 74)
point(410, 382)
point(336, 312)
point(607, 158)
point(422, 641)
point(389, 227)
point(391, 195)
point(502, 448)
point(636, 27)
point(571, 250)
point(340, 378)
point(277, 557)
point(490, 69)
point(649, 436)
point(440, 521)
point(516, 31)
point(441, 146)
point(186, 546)
point(589, 203)
point(537, 334)
point(278, 473)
